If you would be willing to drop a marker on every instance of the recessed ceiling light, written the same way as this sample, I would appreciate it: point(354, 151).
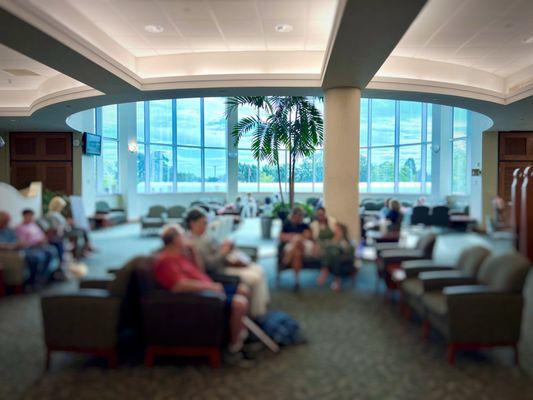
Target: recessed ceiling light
point(283, 28)
point(154, 28)
point(528, 40)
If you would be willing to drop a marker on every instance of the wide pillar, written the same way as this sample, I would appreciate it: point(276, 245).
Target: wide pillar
point(341, 156)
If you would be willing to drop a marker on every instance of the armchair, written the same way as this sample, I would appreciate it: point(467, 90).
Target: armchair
point(14, 269)
point(155, 219)
point(413, 286)
point(109, 216)
point(389, 260)
point(175, 215)
point(484, 315)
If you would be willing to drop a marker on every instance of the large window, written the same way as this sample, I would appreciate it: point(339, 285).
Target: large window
point(107, 163)
point(395, 146)
point(182, 145)
point(459, 151)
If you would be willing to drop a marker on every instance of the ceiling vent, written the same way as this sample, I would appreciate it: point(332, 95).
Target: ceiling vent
point(20, 72)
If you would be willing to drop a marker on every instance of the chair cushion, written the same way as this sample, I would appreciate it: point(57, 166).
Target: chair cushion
point(435, 302)
point(471, 259)
point(505, 273)
point(413, 287)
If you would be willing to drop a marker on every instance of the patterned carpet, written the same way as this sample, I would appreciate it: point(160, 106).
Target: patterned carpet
point(358, 348)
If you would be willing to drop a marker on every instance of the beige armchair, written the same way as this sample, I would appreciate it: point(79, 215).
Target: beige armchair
point(487, 314)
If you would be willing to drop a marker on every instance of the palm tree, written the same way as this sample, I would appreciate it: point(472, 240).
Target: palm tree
point(290, 122)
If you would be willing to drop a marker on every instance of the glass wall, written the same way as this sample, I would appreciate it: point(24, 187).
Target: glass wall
point(182, 145)
point(459, 151)
point(107, 163)
point(395, 146)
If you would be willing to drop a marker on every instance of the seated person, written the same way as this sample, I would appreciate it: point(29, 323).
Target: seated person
point(322, 225)
point(297, 242)
point(32, 236)
point(224, 259)
point(177, 270)
point(385, 209)
point(337, 254)
point(64, 227)
point(394, 216)
point(268, 207)
point(37, 259)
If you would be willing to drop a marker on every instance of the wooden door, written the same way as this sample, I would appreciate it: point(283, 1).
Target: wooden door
point(45, 157)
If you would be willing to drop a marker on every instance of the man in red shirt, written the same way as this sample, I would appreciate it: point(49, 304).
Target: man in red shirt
point(177, 271)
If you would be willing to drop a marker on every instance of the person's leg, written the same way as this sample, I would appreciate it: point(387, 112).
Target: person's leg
point(60, 248)
point(253, 277)
point(34, 262)
point(239, 309)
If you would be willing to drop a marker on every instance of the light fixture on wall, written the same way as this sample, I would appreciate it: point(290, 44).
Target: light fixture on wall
point(132, 147)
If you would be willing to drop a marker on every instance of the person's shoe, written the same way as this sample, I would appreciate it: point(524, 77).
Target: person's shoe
point(238, 345)
point(59, 276)
point(336, 286)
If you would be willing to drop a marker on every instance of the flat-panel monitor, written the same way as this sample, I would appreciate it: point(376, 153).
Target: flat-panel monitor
point(92, 144)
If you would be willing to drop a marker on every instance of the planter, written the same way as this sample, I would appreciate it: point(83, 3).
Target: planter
point(266, 227)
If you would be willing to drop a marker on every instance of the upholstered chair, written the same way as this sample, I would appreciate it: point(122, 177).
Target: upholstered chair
point(485, 314)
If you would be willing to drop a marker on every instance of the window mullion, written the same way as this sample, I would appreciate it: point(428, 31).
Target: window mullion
point(175, 166)
point(423, 167)
point(369, 148)
point(202, 146)
point(396, 146)
point(146, 109)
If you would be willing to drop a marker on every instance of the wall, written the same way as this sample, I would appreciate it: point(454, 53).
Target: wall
point(4, 160)
point(489, 174)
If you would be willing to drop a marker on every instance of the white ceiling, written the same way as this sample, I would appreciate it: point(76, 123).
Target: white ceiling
point(485, 35)
point(12, 60)
point(208, 25)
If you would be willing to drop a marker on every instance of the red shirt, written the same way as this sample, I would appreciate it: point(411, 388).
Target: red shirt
point(171, 269)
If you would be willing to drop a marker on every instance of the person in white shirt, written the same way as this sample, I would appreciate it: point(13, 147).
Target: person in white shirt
point(249, 207)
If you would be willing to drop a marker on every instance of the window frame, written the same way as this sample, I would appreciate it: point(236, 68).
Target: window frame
point(175, 147)
point(397, 146)
point(98, 123)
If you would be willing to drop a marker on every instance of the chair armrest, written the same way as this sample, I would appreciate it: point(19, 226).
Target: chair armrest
point(224, 279)
point(386, 246)
point(14, 263)
point(478, 314)
point(118, 209)
point(251, 251)
point(95, 283)
point(400, 255)
point(438, 280)
point(413, 268)
point(184, 319)
point(88, 318)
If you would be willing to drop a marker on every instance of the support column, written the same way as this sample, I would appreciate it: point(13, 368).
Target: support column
point(127, 133)
point(341, 156)
point(233, 162)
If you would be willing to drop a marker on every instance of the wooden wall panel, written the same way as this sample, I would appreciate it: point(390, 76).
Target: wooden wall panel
point(45, 157)
point(516, 146)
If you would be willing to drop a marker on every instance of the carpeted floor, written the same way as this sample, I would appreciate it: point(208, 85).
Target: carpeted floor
point(358, 348)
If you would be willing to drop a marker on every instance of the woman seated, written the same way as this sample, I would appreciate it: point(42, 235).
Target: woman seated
point(178, 269)
point(338, 257)
point(223, 258)
point(394, 216)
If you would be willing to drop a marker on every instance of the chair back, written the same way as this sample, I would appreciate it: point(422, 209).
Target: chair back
point(156, 211)
point(440, 216)
point(420, 215)
point(426, 244)
point(176, 212)
point(102, 207)
point(505, 273)
point(471, 259)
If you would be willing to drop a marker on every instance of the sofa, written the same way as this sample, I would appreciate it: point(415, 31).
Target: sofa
point(129, 304)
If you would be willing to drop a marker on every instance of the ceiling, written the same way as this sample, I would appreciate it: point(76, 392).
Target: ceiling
point(18, 72)
point(206, 26)
point(484, 46)
point(470, 53)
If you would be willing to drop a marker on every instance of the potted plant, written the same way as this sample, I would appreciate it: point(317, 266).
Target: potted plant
point(282, 122)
